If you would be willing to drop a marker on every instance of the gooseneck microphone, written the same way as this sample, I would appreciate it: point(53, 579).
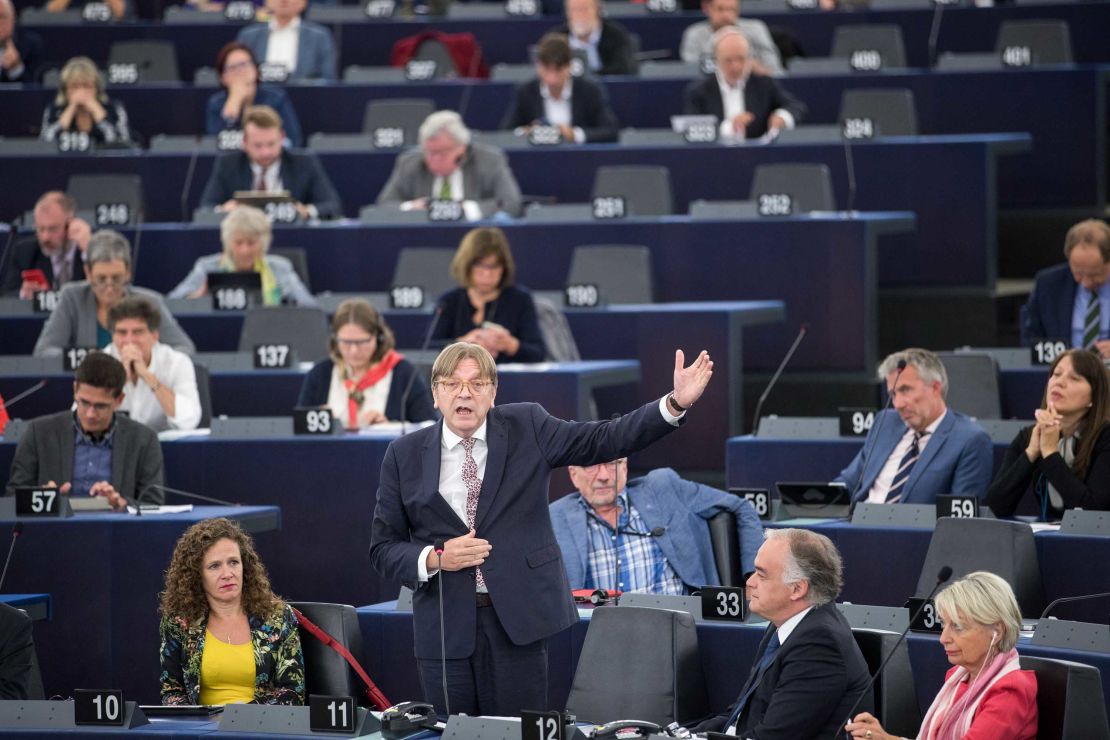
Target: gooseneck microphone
point(17, 529)
point(188, 494)
point(942, 577)
point(438, 546)
point(23, 394)
point(423, 348)
point(1068, 600)
point(878, 428)
point(775, 378)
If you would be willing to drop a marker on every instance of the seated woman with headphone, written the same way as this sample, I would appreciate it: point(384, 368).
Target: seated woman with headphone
point(366, 381)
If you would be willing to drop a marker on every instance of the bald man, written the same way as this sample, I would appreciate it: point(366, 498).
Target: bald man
point(747, 104)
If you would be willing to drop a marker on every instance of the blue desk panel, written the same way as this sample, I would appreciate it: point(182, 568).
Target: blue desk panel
point(38, 606)
point(727, 652)
point(955, 242)
point(564, 389)
point(651, 333)
point(1063, 168)
point(104, 573)
point(507, 40)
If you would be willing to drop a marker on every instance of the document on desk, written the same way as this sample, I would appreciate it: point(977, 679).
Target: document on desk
point(155, 510)
point(168, 435)
point(1045, 526)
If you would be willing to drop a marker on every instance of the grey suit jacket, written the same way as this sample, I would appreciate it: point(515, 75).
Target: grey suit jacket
point(46, 449)
point(73, 322)
point(316, 56)
point(291, 286)
point(487, 179)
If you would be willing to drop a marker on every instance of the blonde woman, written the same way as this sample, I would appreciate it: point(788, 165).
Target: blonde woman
point(246, 235)
point(82, 106)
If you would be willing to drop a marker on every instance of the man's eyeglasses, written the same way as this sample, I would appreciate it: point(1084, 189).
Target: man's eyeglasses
point(100, 408)
point(102, 281)
point(477, 387)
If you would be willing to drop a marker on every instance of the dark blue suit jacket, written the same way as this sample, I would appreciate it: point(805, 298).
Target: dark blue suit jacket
point(301, 174)
point(680, 506)
point(957, 460)
point(524, 572)
point(418, 405)
point(513, 309)
point(809, 687)
point(1047, 315)
point(589, 109)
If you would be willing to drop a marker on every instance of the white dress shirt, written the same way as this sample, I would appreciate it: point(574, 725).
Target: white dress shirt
point(283, 44)
point(175, 371)
point(557, 111)
point(881, 487)
point(593, 58)
point(732, 98)
point(272, 177)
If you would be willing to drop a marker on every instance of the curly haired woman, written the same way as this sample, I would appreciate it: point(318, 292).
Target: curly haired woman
point(226, 638)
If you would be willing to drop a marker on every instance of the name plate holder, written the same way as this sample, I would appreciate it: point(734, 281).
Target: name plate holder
point(867, 616)
point(689, 604)
point(40, 714)
point(911, 516)
point(1068, 635)
point(283, 720)
point(253, 427)
point(1086, 523)
point(461, 727)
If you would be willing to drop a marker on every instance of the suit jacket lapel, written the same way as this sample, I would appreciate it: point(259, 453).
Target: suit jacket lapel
point(66, 452)
point(1066, 307)
point(497, 449)
point(756, 673)
point(121, 454)
point(576, 525)
point(430, 462)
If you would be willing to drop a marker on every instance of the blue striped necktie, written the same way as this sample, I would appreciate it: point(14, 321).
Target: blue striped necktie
point(753, 680)
point(897, 486)
point(1092, 323)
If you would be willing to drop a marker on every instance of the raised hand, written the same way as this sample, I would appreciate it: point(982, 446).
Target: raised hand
point(690, 382)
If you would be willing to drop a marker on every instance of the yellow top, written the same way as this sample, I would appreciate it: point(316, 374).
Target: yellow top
point(226, 672)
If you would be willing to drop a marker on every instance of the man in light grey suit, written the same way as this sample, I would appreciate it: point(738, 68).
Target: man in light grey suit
point(448, 166)
point(305, 49)
point(92, 450)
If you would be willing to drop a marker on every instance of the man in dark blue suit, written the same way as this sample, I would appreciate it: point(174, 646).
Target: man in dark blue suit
point(1072, 301)
point(265, 165)
point(808, 672)
point(474, 487)
point(929, 450)
point(578, 107)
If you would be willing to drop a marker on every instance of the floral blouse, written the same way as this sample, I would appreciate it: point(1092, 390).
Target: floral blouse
point(278, 660)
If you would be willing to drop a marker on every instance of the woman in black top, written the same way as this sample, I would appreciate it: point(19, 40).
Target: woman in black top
point(83, 107)
point(1064, 459)
point(488, 309)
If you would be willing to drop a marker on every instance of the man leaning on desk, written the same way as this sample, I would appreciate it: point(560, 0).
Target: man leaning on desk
point(929, 450)
point(92, 450)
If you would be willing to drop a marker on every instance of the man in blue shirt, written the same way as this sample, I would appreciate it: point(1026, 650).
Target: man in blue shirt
point(92, 450)
point(648, 534)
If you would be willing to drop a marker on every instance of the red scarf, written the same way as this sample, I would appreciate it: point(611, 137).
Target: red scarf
point(371, 377)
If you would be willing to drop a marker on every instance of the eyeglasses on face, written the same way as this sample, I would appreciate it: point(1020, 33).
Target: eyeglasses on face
point(477, 387)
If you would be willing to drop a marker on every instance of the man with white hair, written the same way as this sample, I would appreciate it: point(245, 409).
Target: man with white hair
point(449, 166)
point(808, 672)
point(747, 104)
point(20, 53)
